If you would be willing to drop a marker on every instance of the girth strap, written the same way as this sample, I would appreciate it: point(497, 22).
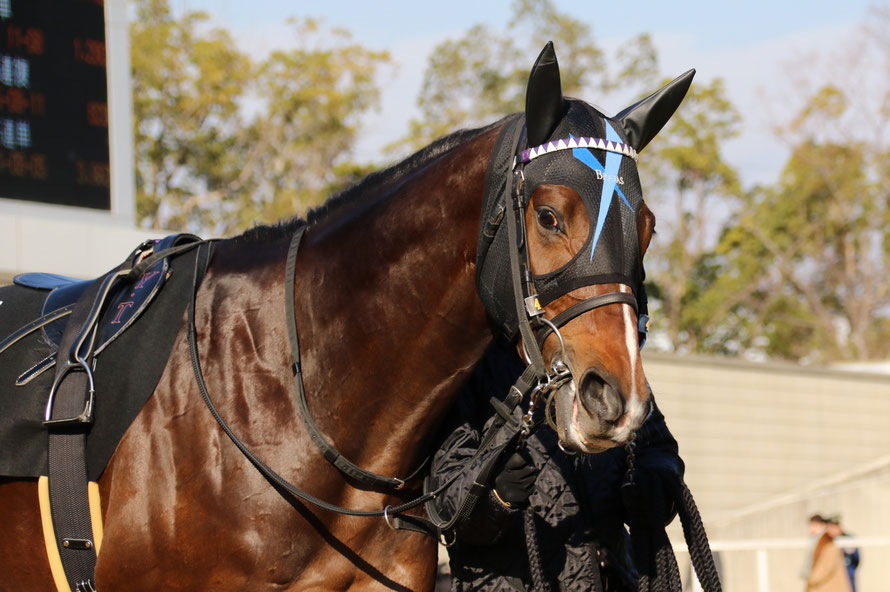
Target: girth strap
point(68, 418)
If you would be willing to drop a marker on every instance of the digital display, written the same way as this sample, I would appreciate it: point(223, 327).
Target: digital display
point(54, 102)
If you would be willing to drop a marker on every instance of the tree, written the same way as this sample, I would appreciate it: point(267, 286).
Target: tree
point(204, 160)
point(482, 75)
point(818, 246)
point(802, 265)
point(314, 96)
point(688, 183)
point(186, 92)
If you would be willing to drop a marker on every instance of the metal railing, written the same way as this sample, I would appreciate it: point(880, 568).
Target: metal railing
point(761, 548)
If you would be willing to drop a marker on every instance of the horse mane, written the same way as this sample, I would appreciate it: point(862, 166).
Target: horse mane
point(389, 176)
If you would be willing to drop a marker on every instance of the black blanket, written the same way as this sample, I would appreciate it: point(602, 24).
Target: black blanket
point(126, 374)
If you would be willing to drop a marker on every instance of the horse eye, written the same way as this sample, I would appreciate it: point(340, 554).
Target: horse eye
point(547, 219)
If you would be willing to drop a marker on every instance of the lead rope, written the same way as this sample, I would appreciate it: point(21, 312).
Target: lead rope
point(664, 574)
point(535, 563)
point(697, 543)
point(652, 549)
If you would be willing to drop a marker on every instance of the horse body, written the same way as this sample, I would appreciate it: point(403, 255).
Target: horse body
point(390, 324)
point(206, 518)
point(210, 520)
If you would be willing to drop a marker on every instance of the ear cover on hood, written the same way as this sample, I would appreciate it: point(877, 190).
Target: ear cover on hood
point(644, 119)
point(543, 97)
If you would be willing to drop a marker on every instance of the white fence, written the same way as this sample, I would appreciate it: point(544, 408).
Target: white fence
point(773, 565)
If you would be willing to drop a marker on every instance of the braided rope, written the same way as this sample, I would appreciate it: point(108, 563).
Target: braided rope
point(659, 571)
point(697, 543)
point(535, 563)
point(667, 573)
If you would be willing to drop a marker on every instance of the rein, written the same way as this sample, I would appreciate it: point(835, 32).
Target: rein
point(537, 381)
point(392, 514)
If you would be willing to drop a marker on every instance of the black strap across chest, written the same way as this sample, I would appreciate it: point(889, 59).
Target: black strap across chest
point(394, 515)
point(330, 453)
point(264, 469)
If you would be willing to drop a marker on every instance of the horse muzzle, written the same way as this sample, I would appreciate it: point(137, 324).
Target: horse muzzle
point(592, 415)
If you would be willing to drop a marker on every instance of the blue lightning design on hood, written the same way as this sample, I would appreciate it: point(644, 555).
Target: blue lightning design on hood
point(610, 179)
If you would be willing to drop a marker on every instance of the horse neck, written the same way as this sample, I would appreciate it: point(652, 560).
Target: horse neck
point(388, 307)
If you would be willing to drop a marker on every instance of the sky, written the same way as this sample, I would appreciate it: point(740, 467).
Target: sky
point(750, 45)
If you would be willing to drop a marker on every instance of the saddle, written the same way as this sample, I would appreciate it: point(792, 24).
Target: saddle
point(122, 307)
point(69, 444)
point(135, 328)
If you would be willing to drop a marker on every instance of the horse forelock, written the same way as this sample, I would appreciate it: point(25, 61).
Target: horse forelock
point(390, 176)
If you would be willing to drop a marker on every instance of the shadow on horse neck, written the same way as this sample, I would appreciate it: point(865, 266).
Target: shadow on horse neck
point(389, 325)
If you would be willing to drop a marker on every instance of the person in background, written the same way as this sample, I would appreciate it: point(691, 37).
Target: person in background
point(825, 571)
point(851, 554)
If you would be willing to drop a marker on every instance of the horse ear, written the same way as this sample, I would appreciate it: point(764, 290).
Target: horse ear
point(543, 98)
point(643, 120)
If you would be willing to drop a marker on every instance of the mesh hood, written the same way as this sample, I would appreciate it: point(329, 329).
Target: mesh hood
point(609, 186)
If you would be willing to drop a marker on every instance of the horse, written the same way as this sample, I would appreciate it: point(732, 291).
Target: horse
point(397, 291)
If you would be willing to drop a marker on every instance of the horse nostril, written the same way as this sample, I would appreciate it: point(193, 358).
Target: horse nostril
point(599, 398)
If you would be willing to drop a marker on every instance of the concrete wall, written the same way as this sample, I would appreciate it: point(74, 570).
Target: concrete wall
point(751, 431)
point(768, 445)
point(859, 496)
point(61, 240)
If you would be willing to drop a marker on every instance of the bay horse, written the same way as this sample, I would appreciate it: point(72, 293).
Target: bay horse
point(394, 301)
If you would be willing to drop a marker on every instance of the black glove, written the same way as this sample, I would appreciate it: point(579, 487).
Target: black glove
point(658, 475)
point(652, 499)
point(515, 482)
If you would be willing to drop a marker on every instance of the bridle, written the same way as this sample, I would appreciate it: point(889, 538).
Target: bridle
point(394, 516)
point(533, 326)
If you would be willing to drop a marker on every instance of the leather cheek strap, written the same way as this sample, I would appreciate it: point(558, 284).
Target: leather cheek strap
point(583, 307)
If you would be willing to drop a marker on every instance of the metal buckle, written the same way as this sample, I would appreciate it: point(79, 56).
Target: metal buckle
point(86, 416)
point(443, 540)
point(533, 306)
point(386, 517)
point(562, 343)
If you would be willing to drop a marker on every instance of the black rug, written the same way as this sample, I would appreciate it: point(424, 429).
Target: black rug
point(126, 374)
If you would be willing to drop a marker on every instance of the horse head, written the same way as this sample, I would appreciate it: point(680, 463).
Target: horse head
point(569, 173)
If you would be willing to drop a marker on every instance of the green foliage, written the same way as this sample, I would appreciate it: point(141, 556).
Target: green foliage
point(186, 88)
point(687, 182)
point(482, 75)
point(315, 96)
point(818, 244)
point(202, 161)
